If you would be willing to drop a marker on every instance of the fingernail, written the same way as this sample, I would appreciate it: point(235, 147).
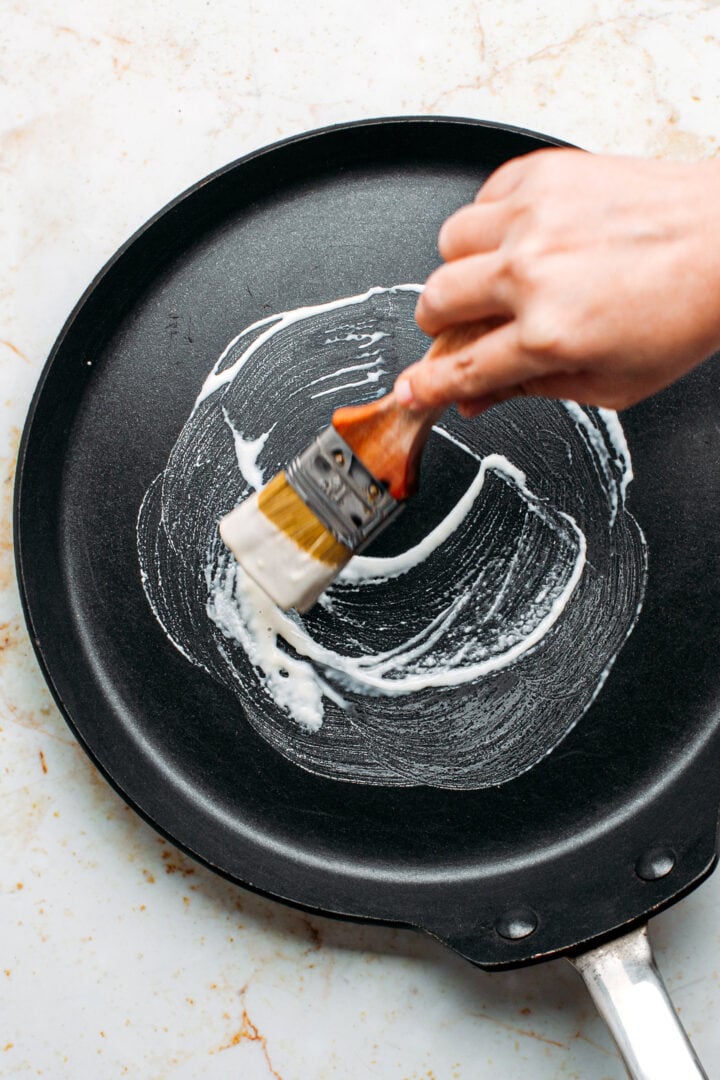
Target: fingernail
point(403, 392)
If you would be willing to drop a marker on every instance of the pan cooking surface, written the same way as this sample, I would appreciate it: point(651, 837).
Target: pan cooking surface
point(314, 219)
point(453, 662)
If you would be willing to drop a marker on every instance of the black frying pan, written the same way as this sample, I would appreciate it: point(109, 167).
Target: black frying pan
point(615, 824)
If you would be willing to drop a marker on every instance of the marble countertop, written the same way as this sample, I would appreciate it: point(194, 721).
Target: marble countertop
point(118, 955)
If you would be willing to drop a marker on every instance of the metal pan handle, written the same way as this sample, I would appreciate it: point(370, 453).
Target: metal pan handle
point(632, 999)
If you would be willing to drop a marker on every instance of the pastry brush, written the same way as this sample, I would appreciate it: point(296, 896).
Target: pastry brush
point(294, 536)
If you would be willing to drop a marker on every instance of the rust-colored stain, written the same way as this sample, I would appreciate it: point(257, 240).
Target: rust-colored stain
point(525, 1011)
point(520, 1031)
point(248, 1032)
point(43, 762)
point(150, 878)
point(14, 349)
point(314, 935)
point(677, 143)
point(19, 886)
point(76, 34)
point(8, 1046)
point(33, 720)
point(120, 68)
point(174, 864)
point(597, 1046)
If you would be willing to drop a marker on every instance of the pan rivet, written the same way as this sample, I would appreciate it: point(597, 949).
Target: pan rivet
point(517, 923)
point(656, 863)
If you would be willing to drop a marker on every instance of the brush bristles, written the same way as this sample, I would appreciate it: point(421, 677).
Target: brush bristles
point(282, 505)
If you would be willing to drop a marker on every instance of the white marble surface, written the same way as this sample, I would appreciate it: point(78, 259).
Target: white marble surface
point(118, 957)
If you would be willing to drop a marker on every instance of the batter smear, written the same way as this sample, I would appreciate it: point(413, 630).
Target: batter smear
point(459, 660)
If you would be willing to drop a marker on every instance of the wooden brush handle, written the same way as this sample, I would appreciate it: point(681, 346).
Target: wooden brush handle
point(388, 438)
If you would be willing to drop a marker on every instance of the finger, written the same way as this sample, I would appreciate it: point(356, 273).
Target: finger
point(504, 180)
point(460, 337)
point(468, 409)
point(462, 291)
point(485, 368)
point(508, 177)
point(472, 230)
point(585, 388)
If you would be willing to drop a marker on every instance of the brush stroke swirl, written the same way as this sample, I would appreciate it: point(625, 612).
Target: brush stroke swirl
point(460, 657)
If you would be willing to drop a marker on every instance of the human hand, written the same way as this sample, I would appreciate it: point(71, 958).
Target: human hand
point(600, 278)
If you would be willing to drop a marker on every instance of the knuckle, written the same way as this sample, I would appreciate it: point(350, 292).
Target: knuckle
point(543, 162)
point(522, 268)
point(544, 334)
point(503, 180)
point(546, 162)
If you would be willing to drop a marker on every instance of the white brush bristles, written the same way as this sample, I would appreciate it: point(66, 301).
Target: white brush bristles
point(290, 576)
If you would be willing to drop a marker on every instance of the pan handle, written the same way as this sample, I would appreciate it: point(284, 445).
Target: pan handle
point(632, 999)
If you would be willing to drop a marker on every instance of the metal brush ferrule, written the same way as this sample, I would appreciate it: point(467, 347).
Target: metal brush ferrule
point(340, 491)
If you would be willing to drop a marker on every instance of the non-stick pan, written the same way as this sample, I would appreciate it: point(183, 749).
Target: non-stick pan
point(568, 857)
